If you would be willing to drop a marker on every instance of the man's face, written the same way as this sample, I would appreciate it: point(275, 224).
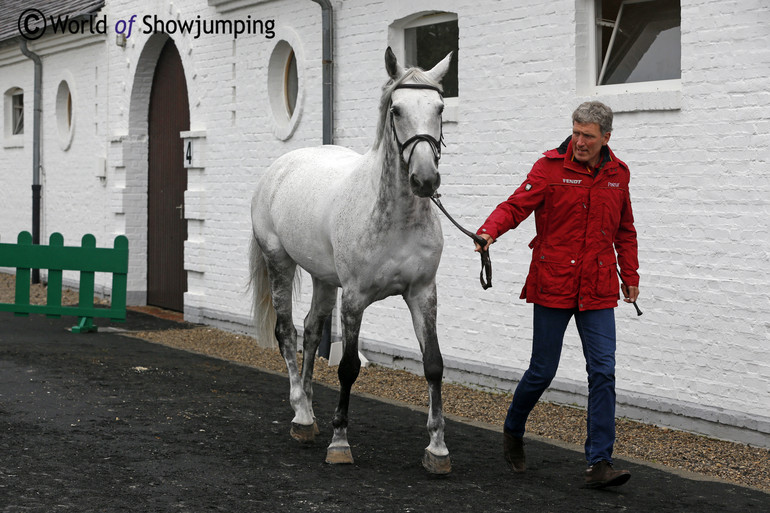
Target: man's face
point(587, 142)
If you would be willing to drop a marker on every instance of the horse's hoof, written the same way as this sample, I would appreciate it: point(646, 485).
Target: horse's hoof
point(303, 433)
point(316, 431)
point(339, 455)
point(436, 464)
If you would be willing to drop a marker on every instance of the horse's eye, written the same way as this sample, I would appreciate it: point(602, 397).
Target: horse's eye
point(440, 109)
point(395, 111)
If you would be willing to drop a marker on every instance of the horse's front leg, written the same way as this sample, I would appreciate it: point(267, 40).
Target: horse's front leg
point(351, 312)
point(422, 305)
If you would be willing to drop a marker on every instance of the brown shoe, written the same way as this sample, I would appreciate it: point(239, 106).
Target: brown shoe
point(600, 475)
point(513, 449)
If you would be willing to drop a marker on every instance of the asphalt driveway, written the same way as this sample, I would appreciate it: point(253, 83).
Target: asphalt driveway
point(103, 422)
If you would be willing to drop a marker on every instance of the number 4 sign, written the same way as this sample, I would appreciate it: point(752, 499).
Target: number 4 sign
point(192, 148)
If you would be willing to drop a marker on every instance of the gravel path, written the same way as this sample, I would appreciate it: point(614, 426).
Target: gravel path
point(737, 463)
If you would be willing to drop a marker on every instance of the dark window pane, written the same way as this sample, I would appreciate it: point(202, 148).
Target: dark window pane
point(18, 113)
point(426, 45)
point(647, 41)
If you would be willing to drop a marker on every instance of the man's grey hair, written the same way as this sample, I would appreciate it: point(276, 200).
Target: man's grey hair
point(594, 112)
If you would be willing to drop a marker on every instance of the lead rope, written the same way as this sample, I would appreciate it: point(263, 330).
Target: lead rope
point(486, 263)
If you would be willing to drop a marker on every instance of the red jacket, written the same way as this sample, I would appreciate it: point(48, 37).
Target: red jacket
point(581, 221)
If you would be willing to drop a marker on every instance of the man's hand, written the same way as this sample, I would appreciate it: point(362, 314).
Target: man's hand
point(487, 238)
point(630, 293)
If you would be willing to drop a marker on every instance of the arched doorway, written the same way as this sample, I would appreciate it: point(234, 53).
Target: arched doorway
point(169, 114)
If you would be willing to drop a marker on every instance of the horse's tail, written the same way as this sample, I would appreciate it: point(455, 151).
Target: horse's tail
point(262, 310)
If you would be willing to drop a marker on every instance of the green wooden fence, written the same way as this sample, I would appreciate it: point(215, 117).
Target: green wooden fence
point(56, 257)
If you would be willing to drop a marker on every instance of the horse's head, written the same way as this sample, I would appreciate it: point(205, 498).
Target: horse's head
point(416, 105)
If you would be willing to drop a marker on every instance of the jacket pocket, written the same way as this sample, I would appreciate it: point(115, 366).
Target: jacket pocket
point(556, 278)
point(607, 284)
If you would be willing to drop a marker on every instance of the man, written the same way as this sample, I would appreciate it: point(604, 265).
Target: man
point(579, 193)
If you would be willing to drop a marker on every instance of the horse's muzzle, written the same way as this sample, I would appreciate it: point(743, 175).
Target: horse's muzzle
point(425, 188)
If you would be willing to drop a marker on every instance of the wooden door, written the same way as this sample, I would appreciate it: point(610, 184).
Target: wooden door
point(169, 114)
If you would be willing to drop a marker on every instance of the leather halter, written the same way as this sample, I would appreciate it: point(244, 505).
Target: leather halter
point(435, 145)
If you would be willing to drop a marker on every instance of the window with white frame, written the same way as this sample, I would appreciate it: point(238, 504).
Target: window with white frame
point(285, 85)
point(13, 118)
point(64, 115)
point(428, 39)
point(637, 41)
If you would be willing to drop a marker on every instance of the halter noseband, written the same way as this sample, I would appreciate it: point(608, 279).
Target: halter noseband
point(435, 145)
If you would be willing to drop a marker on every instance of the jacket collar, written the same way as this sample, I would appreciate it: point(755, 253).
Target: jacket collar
point(608, 162)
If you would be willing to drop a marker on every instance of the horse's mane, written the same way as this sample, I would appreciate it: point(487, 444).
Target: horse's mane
point(415, 75)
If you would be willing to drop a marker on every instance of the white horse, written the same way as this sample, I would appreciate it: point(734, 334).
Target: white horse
point(364, 223)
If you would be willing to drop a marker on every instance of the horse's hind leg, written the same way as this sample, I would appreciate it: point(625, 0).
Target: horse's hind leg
point(350, 365)
point(422, 305)
point(324, 299)
point(281, 271)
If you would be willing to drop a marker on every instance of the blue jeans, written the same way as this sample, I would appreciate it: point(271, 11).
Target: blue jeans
point(597, 334)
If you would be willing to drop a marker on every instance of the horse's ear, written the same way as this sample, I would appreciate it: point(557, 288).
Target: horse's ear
point(440, 69)
point(395, 70)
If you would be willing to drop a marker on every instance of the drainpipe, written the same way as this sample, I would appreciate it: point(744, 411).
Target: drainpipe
point(327, 21)
point(37, 108)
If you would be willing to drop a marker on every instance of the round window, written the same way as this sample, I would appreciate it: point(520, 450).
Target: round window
point(283, 88)
point(64, 115)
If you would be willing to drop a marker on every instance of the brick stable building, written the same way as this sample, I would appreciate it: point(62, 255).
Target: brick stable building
point(158, 117)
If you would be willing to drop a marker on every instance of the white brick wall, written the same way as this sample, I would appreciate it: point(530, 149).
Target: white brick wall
point(698, 357)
